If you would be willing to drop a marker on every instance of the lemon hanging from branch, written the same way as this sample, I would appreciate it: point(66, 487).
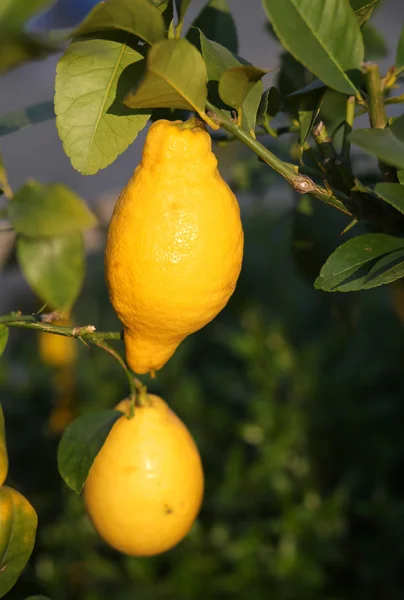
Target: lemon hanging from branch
point(174, 246)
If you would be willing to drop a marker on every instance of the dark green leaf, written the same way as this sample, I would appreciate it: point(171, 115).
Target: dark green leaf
point(15, 13)
point(270, 105)
point(217, 24)
point(93, 77)
point(37, 113)
point(37, 598)
point(316, 42)
point(175, 78)
point(17, 536)
point(364, 262)
point(393, 193)
point(18, 48)
point(48, 210)
point(399, 62)
point(400, 175)
point(309, 108)
point(375, 44)
point(385, 144)
point(363, 9)
point(3, 338)
point(293, 76)
point(54, 268)
point(138, 17)
point(80, 444)
point(333, 110)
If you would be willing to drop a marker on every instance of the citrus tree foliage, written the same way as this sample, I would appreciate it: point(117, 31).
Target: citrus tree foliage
point(131, 61)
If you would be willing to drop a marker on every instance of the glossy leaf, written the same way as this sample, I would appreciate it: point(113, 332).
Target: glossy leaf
point(175, 78)
point(364, 262)
point(53, 267)
point(138, 17)
point(80, 444)
point(217, 24)
point(16, 120)
point(93, 76)
point(18, 523)
point(393, 193)
point(312, 30)
point(3, 338)
point(48, 210)
point(375, 44)
point(363, 9)
point(386, 144)
point(15, 13)
point(399, 62)
point(3, 450)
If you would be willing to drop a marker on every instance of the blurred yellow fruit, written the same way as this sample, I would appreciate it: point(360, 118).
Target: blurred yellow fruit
point(145, 487)
point(3, 450)
point(57, 350)
point(174, 246)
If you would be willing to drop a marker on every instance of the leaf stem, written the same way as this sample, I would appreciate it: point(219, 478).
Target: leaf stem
point(377, 111)
point(349, 120)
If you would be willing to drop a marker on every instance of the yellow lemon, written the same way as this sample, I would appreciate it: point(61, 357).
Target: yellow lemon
point(57, 350)
point(145, 487)
point(3, 450)
point(174, 245)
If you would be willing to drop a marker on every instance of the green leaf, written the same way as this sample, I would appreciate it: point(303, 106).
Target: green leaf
point(16, 120)
point(236, 83)
point(3, 449)
point(175, 78)
point(17, 536)
point(217, 24)
point(364, 262)
point(217, 58)
point(181, 6)
point(53, 267)
point(92, 78)
point(363, 9)
point(3, 338)
point(375, 44)
point(21, 47)
point(270, 105)
point(393, 193)
point(48, 210)
point(80, 444)
point(333, 110)
point(15, 13)
point(138, 17)
point(316, 41)
point(37, 598)
point(386, 144)
point(399, 62)
point(400, 175)
point(309, 109)
point(241, 87)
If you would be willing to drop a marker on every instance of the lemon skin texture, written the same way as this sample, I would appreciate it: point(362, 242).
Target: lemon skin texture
point(174, 246)
point(145, 487)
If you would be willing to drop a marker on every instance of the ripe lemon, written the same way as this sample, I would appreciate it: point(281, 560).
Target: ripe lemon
point(145, 487)
point(174, 245)
point(3, 450)
point(57, 350)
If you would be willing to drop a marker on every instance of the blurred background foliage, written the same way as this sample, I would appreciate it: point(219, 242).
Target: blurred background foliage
point(295, 398)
